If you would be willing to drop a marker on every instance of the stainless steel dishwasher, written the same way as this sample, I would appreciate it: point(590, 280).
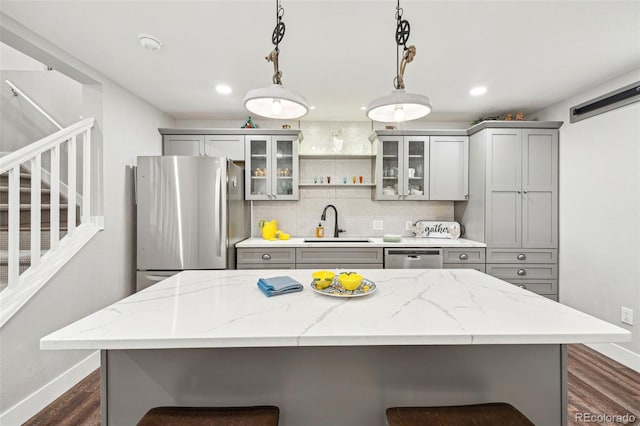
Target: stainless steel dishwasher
point(413, 258)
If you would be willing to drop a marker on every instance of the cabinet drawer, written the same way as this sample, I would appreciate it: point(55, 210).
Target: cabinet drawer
point(527, 272)
point(338, 255)
point(266, 256)
point(266, 266)
point(543, 287)
point(522, 255)
point(355, 267)
point(477, 266)
point(463, 255)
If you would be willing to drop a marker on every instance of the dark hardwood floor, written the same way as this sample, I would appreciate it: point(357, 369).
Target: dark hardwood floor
point(596, 386)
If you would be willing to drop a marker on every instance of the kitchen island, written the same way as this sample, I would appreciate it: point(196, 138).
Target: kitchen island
point(424, 337)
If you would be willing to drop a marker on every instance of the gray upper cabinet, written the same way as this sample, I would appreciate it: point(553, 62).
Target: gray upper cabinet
point(402, 168)
point(230, 146)
point(271, 167)
point(522, 188)
point(182, 145)
point(422, 165)
point(449, 167)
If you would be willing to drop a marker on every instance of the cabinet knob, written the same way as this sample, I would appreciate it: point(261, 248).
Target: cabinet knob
point(522, 272)
point(464, 256)
point(518, 191)
point(523, 286)
point(525, 191)
point(522, 256)
point(266, 256)
point(466, 196)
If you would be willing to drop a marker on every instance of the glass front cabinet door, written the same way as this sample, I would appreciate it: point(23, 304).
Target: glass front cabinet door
point(271, 166)
point(403, 168)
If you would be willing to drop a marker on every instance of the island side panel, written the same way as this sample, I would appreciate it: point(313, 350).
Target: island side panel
point(346, 385)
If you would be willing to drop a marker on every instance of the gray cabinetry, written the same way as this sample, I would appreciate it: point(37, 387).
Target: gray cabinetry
point(522, 188)
point(402, 168)
point(464, 258)
point(448, 167)
point(182, 145)
point(310, 258)
point(218, 145)
point(361, 257)
point(231, 146)
point(271, 167)
point(513, 201)
point(271, 258)
point(421, 165)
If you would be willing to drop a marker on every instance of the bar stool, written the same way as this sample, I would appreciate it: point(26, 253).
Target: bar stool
point(491, 414)
point(211, 416)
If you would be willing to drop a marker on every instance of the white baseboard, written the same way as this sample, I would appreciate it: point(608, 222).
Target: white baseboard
point(618, 353)
point(34, 403)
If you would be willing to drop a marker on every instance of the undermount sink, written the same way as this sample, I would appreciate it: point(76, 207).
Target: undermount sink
point(337, 240)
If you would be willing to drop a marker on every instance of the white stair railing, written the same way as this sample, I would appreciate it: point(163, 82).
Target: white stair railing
point(31, 155)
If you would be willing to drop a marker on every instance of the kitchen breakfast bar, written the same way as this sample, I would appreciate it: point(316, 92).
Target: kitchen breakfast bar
point(424, 337)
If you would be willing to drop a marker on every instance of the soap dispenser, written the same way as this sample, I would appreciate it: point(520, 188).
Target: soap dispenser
point(319, 231)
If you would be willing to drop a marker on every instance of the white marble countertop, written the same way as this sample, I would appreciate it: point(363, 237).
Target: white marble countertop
point(213, 309)
point(373, 242)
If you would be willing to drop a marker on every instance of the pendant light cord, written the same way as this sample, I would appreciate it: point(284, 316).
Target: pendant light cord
point(403, 31)
point(276, 38)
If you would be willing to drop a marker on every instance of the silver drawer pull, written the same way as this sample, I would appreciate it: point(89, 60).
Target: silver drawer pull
point(522, 272)
point(266, 256)
point(522, 256)
point(523, 286)
point(464, 256)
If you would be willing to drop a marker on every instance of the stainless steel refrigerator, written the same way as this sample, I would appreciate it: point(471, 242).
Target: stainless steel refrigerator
point(190, 214)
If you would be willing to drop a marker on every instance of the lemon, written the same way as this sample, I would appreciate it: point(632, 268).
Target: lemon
point(323, 279)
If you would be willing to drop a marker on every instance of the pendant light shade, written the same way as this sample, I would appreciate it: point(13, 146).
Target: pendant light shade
point(399, 106)
point(276, 102)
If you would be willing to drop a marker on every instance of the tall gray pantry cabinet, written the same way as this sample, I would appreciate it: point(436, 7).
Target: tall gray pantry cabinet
point(513, 201)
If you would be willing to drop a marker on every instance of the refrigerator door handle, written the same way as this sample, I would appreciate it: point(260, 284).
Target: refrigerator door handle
point(218, 211)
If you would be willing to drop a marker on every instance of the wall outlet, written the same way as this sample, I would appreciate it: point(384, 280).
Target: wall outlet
point(407, 225)
point(626, 315)
point(378, 225)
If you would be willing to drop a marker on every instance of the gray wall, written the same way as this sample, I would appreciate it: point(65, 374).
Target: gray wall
point(103, 272)
point(600, 208)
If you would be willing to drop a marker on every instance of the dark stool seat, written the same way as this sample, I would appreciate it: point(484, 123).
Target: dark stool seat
point(492, 414)
point(211, 416)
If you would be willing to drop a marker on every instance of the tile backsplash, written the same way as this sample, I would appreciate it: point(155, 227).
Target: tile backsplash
point(356, 212)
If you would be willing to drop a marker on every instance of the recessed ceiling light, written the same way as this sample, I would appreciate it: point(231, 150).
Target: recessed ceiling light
point(477, 91)
point(149, 42)
point(363, 108)
point(312, 107)
point(223, 89)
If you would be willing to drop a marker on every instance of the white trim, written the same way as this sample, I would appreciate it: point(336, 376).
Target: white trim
point(619, 354)
point(34, 403)
point(32, 280)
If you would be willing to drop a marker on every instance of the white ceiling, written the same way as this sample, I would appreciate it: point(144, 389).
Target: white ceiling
point(341, 54)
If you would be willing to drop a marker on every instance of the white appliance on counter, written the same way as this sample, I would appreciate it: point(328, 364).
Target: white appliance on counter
point(190, 214)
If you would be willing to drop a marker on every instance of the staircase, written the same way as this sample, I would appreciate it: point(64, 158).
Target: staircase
point(25, 222)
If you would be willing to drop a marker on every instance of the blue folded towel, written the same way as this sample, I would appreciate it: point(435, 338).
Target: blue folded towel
point(278, 285)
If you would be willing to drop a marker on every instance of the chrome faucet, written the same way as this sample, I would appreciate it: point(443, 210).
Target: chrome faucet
point(336, 230)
